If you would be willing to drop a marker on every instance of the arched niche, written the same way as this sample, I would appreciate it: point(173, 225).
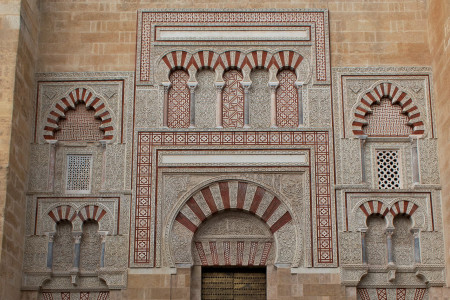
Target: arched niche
point(376, 240)
point(233, 197)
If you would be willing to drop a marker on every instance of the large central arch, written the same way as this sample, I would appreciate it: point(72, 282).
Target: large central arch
point(211, 202)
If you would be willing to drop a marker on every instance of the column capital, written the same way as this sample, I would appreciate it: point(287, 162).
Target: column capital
point(77, 237)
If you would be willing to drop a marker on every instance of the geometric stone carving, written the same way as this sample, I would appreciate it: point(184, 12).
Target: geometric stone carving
point(74, 295)
point(90, 247)
point(287, 100)
point(403, 241)
point(145, 205)
point(148, 43)
point(233, 100)
point(63, 249)
point(79, 125)
point(383, 293)
point(179, 98)
point(387, 119)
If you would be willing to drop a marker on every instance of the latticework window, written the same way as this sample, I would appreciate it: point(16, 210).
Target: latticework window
point(179, 99)
point(388, 167)
point(79, 169)
point(387, 119)
point(233, 100)
point(79, 125)
point(287, 99)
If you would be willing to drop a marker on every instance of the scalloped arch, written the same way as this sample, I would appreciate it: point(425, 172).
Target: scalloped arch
point(78, 95)
point(393, 92)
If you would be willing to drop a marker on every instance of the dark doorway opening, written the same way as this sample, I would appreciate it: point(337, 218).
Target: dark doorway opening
point(233, 283)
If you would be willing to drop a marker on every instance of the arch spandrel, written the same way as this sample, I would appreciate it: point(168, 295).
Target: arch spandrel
point(218, 198)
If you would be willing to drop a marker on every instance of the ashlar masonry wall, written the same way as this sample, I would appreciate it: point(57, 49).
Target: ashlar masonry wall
point(19, 33)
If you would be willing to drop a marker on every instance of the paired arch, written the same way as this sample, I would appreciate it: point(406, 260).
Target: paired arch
point(378, 207)
point(76, 96)
point(397, 96)
point(84, 213)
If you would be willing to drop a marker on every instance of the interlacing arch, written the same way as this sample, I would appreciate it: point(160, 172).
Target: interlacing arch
point(78, 95)
point(397, 96)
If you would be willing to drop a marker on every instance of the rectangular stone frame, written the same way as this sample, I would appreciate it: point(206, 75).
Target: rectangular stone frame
point(144, 215)
point(316, 19)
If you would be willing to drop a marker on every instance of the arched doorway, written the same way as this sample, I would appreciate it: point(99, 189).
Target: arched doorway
point(233, 248)
point(233, 229)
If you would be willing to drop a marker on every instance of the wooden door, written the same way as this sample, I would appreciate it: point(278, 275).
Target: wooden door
point(233, 283)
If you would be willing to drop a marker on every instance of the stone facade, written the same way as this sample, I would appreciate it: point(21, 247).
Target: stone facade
point(229, 137)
